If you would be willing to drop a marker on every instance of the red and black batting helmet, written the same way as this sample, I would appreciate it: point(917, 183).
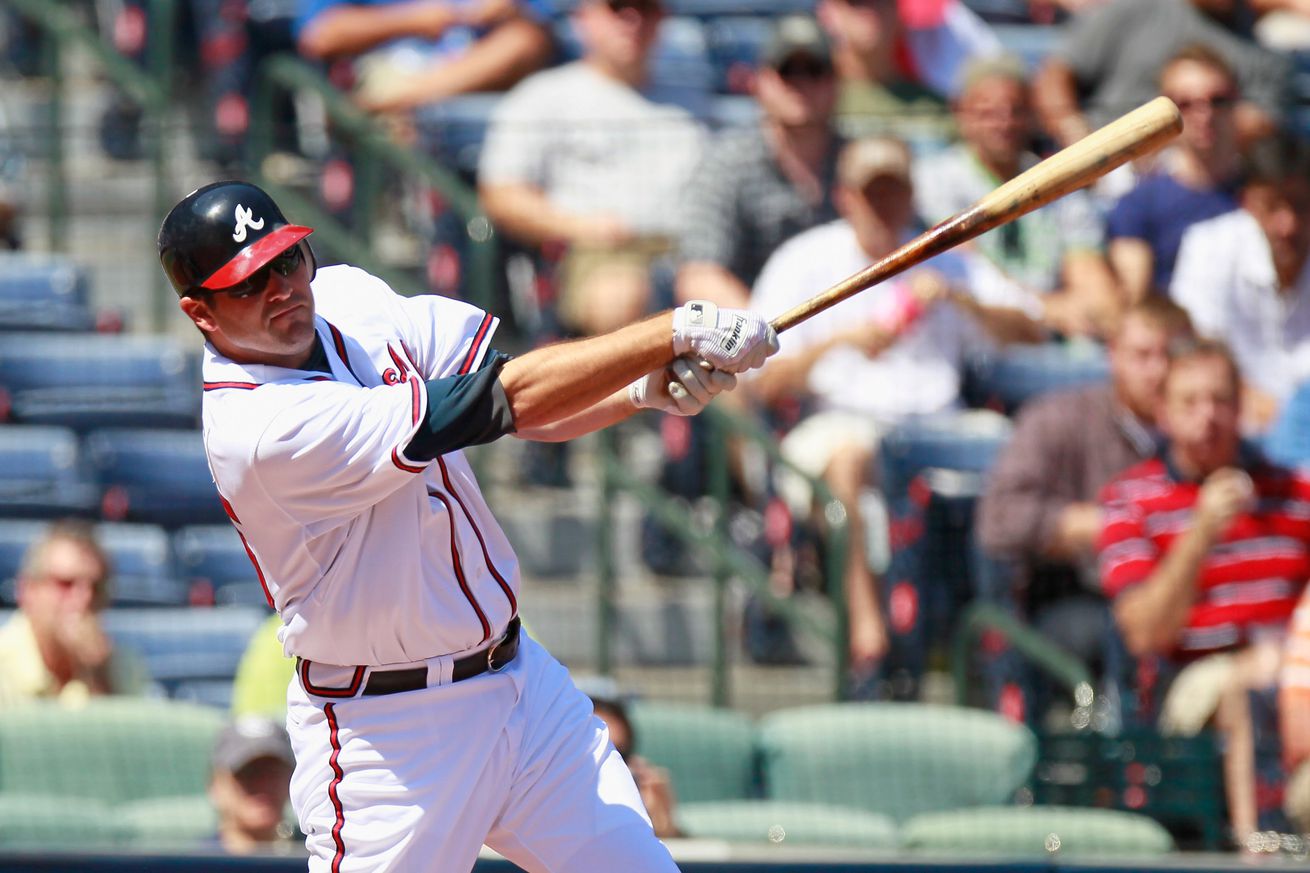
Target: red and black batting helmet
point(222, 234)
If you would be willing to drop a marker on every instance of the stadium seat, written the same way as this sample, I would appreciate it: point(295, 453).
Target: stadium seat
point(117, 750)
point(1020, 373)
point(154, 476)
point(38, 821)
point(185, 645)
point(43, 474)
point(144, 571)
point(709, 753)
point(95, 380)
point(169, 822)
point(1036, 831)
point(453, 130)
point(1031, 43)
point(895, 759)
point(15, 536)
point(734, 43)
point(768, 822)
point(213, 555)
point(43, 292)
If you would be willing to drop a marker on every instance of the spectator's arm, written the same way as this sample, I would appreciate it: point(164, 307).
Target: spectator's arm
point(1091, 291)
point(525, 212)
point(351, 29)
point(495, 62)
point(1134, 264)
point(1055, 98)
point(1004, 324)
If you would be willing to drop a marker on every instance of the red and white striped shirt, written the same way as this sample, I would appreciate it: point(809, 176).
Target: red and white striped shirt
point(1251, 578)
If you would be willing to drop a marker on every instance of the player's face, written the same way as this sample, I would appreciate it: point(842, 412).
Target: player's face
point(1201, 411)
point(1139, 360)
point(1206, 97)
point(994, 119)
point(272, 326)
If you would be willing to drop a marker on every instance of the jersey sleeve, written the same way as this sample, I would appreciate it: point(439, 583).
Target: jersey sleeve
point(1125, 554)
point(463, 410)
point(332, 451)
point(447, 337)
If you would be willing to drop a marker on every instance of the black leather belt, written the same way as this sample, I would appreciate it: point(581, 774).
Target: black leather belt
point(492, 659)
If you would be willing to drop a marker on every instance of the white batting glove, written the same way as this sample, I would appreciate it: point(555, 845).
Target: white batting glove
point(730, 339)
point(693, 386)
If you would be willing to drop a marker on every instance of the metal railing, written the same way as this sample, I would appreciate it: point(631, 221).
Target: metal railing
point(728, 561)
point(373, 151)
point(63, 31)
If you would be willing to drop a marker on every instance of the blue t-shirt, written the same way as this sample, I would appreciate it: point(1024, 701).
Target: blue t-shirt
point(1158, 210)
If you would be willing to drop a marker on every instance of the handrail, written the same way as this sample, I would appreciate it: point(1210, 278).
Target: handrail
point(151, 89)
point(289, 73)
point(728, 560)
point(1064, 668)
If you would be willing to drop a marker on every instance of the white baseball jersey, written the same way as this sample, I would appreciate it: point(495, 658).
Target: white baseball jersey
point(371, 557)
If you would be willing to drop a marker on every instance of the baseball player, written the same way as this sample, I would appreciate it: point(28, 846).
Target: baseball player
point(336, 412)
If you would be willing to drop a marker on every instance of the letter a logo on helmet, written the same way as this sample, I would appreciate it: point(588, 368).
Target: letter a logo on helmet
point(245, 218)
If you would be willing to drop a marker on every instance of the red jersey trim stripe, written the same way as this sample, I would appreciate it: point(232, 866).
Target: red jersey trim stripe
point(340, 343)
point(244, 386)
point(334, 794)
point(458, 566)
point(486, 555)
point(356, 680)
point(259, 571)
point(475, 350)
point(416, 412)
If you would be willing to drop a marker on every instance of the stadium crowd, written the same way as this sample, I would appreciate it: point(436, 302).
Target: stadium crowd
point(1147, 514)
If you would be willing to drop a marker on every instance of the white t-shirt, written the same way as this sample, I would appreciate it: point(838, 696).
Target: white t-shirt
point(594, 145)
point(918, 375)
point(1225, 280)
point(370, 557)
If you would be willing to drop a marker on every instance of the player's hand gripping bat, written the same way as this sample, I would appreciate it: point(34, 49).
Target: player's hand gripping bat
point(1139, 132)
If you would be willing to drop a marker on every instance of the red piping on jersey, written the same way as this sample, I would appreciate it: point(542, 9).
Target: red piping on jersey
point(340, 343)
point(245, 386)
point(477, 343)
point(486, 555)
point(409, 356)
point(459, 567)
point(356, 680)
point(333, 793)
point(415, 385)
point(395, 359)
point(259, 571)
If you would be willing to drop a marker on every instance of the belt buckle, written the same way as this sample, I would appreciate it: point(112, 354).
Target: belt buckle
point(491, 654)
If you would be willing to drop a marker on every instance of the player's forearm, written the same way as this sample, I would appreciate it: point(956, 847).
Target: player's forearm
point(613, 409)
point(1151, 615)
point(554, 383)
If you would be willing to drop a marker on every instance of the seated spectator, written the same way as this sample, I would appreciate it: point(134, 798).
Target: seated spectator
point(1113, 55)
point(1204, 552)
point(1244, 279)
point(1053, 254)
point(249, 785)
point(54, 645)
point(412, 52)
point(580, 156)
point(1294, 717)
point(757, 187)
point(652, 781)
point(1039, 512)
point(887, 354)
point(1196, 179)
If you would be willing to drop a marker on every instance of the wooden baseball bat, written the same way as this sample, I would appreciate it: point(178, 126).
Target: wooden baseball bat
point(1139, 132)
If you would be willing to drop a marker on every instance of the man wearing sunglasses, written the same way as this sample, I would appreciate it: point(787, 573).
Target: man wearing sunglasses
point(424, 722)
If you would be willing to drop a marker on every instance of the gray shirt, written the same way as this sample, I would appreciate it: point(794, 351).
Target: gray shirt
point(1116, 53)
point(740, 206)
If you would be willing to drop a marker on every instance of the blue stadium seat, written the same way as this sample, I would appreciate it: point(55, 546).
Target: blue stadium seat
point(453, 130)
point(42, 474)
point(185, 646)
point(734, 110)
point(1031, 43)
point(735, 42)
point(94, 380)
point(719, 8)
point(15, 536)
point(144, 572)
point(1019, 373)
point(155, 476)
point(213, 555)
point(43, 292)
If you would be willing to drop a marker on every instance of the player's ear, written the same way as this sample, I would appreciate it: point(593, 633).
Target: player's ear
point(198, 310)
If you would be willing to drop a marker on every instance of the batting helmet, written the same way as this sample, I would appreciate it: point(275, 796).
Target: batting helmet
point(221, 234)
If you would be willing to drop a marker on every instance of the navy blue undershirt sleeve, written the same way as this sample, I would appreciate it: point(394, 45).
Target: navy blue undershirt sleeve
point(466, 410)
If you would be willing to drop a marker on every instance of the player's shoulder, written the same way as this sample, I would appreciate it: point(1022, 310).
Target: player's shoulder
point(347, 293)
point(237, 418)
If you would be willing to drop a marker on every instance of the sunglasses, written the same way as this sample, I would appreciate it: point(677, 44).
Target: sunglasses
point(1214, 101)
point(284, 264)
point(804, 68)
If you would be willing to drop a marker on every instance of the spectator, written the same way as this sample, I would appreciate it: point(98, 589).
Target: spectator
point(579, 155)
point(1243, 278)
point(891, 353)
point(1294, 717)
point(652, 781)
point(1053, 254)
point(54, 646)
point(1204, 553)
point(412, 52)
point(249, 785)
point(1196, 179)
point(1113, 54)
point(757, 187)
point(1039, 512)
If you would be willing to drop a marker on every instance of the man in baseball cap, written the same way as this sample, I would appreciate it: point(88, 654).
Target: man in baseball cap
point(250, 783)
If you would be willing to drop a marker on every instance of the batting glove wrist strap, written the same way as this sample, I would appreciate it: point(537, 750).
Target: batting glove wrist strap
point(729, 339)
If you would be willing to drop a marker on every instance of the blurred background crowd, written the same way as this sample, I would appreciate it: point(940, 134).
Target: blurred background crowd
point(1050, 479)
